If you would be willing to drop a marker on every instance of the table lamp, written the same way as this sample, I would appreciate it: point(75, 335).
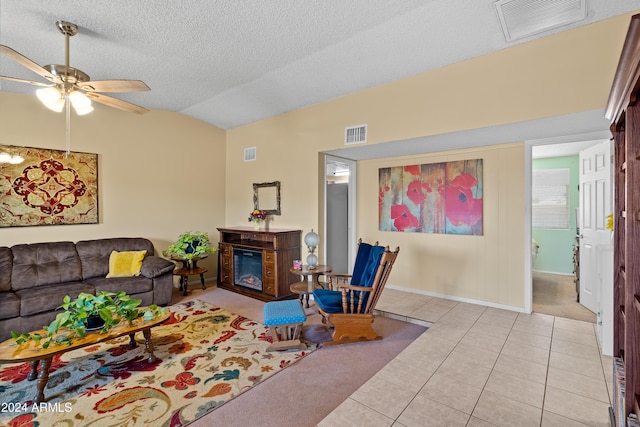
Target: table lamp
point(312, 239)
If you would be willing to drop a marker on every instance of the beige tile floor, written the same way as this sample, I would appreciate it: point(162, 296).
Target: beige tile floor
point(478, 366)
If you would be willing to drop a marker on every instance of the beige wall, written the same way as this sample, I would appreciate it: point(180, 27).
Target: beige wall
point(561, 74)
point(485, 268)
point(164, 173)
point(159, 174)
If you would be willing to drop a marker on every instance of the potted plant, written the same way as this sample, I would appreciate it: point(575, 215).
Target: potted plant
point(81, 314)
point(189, 246)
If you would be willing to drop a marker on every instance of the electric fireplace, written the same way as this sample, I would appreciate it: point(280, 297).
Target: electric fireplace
point(247, 268)
point(257, 263)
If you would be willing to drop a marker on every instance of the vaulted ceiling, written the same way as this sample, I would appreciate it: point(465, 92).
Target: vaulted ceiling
point(233, 62)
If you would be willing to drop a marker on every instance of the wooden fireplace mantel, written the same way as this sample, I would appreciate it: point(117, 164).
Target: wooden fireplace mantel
point(279, 248)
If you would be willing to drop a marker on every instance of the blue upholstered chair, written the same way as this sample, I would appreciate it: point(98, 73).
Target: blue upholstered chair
point(348, 302)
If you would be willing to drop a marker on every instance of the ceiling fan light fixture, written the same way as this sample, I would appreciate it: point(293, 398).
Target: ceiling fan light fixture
point(81, 103)
point(11, 159)
point(81, 111)
point(16, 160)
point(51, 98)
point(65, 81)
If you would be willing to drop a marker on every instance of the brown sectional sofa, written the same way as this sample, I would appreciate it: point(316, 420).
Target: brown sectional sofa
point(34, 278)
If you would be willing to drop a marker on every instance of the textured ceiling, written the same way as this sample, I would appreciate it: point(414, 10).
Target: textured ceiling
point(233, 62)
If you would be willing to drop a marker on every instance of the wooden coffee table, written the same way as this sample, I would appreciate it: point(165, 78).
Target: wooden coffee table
point(32, 352)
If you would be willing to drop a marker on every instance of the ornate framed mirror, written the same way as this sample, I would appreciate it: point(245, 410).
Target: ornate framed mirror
point(266, 197)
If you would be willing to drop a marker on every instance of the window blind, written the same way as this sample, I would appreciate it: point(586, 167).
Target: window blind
point(550, 194)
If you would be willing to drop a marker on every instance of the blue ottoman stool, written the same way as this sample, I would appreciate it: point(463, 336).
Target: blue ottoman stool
point(285, 319)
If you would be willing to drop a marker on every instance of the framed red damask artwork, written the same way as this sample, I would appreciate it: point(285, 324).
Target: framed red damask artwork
point(47, 187)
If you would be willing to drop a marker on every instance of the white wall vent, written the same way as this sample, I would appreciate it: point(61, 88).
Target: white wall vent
point(524, 18)
point(250, 154)
point(355, 134)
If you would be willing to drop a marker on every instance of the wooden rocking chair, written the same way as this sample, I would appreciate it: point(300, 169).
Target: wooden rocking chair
point(347, 306)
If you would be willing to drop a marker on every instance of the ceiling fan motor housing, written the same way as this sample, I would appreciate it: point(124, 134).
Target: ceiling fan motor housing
point(67, 74)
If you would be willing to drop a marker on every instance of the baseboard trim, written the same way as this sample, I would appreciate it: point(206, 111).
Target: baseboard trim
point(459, 299)
point(552, 272)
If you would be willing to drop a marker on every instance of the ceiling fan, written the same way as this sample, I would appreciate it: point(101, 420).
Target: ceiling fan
point(68, 83)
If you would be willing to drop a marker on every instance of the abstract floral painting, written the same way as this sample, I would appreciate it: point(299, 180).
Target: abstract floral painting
point(441, 198)
point(46, 187)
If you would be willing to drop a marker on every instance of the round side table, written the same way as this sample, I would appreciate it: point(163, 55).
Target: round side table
point(310, 281)
point(189, 270)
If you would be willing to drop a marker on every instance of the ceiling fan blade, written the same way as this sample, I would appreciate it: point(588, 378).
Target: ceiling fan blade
point(26, 62)
point(13, 79)
point(114, 86)
point(117, 103)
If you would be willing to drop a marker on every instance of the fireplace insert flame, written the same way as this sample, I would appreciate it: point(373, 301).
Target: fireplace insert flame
point(247, 268)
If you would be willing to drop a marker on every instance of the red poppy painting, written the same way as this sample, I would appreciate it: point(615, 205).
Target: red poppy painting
point(441, 198)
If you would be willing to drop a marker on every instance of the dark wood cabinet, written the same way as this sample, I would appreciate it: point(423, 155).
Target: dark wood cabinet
point(624, 112)
point(256, 263)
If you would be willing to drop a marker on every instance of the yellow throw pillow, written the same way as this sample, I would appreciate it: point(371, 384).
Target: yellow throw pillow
point(125, 264)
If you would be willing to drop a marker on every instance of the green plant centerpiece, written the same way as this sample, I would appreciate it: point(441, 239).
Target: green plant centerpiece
point(189, 246)
point(109, 307)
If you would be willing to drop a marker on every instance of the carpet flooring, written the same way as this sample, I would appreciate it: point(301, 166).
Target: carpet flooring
point(555, 294)
point(206, 356)
point(305, 393)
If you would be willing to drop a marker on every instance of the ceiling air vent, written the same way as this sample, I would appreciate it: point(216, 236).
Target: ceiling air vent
point(249, 154)
point(524, 18)
point(355, 135)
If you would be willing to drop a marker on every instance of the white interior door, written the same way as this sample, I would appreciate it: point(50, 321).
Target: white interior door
point(596, 274)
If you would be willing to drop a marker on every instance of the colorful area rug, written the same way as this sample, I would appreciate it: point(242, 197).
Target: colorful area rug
point(207, 356)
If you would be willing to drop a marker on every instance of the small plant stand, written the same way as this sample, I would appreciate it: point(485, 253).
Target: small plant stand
point(189, 269)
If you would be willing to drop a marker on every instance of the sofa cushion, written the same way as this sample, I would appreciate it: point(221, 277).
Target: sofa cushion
point(94, 254)
point(9, 325)
point(9, 305)
point(6, 261)
point(41, 264)
point(130, 285)
point(50, 297)
point(37, 321)
point(125, 264)
point(146, 297)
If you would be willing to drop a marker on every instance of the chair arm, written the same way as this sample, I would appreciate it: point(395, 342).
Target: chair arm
point(155, 266)
point(355, 288)
point(349, 297)
point(337, 280)
point(346, 276)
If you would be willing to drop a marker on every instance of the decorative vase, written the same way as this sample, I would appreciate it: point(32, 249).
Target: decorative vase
point(191, 246)
point(94, 322)
point(256, 224)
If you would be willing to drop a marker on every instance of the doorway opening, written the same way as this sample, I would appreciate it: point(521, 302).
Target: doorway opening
point(339, 213)
point(558, 276)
